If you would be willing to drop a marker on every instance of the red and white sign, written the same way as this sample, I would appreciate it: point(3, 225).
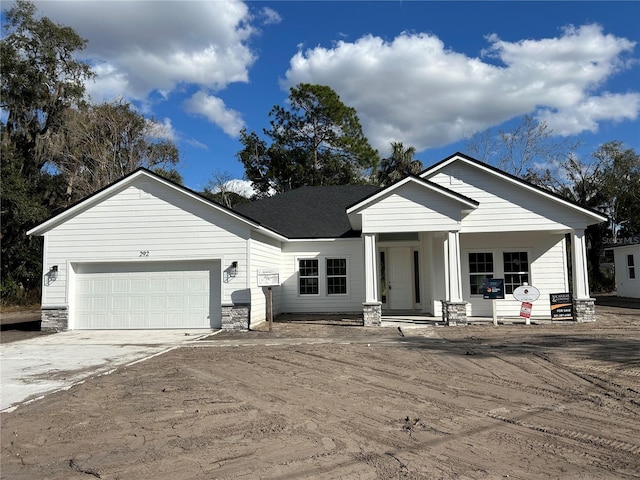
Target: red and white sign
point(525, 309)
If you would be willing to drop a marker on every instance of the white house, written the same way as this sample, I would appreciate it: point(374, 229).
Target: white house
point(627, 268)
point(148, 253)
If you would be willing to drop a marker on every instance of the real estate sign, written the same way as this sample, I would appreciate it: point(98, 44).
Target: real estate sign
point(561, 305)
point(493, 289)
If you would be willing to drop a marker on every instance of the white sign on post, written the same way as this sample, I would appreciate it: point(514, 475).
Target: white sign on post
point(526, 294)
point(268, 277)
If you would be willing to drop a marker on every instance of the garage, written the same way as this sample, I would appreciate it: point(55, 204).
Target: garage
point(146, 295)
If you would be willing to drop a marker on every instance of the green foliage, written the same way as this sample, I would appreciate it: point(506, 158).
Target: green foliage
point(400, 164)
point(40, 79)
point(57, 148)
point(316, 141)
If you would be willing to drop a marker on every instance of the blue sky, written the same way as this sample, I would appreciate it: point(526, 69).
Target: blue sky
point(423, 73)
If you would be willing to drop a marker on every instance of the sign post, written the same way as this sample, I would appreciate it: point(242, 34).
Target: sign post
point(269, 277)
point(526, 294)
point(493, 289)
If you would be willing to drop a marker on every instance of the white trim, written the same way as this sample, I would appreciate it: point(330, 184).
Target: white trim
point(422, 182)
point(98, 197)
point(431, 170)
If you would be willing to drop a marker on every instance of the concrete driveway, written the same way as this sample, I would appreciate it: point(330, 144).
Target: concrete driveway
point(32, 368)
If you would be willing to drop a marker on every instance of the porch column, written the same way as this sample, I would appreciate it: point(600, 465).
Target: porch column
point(372, 308)
point(583, 305)
point(454, 310)
point(454, 288)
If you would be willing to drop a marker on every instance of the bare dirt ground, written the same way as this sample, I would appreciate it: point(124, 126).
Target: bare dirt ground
point(328, 399)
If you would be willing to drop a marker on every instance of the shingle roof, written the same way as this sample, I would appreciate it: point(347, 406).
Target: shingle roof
point(308, 212)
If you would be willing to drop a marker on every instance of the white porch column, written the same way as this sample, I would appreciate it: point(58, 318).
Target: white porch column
point(454, 277)
point(370, 268)
point(580, 272)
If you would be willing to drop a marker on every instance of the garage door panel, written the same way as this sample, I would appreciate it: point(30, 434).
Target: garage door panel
point(154, 295)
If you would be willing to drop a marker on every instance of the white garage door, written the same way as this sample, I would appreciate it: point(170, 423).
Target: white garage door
point(147, 295)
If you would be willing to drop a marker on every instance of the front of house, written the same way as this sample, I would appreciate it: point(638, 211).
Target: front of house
point(145, 253)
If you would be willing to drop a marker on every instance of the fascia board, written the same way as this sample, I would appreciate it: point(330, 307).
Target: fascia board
point(419, 181)
point(514, 181)
point(110, 189)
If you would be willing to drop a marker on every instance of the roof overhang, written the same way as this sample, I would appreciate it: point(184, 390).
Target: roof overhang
point(143, 173)
point(459, 157)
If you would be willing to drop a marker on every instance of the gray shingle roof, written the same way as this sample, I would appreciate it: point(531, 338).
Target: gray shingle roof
point(308, 212)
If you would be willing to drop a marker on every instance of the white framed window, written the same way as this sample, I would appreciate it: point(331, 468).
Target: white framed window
point(516, 270)
point(480, 268)
point(308, 276)
point(631, 268)
point(336, 276)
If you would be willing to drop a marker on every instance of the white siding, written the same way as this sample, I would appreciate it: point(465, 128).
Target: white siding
point(265, 254)
point(148, 222)
point(504, 206)
point(625, 285)
point(412, 208)
point(547, 269)
point(351, 249)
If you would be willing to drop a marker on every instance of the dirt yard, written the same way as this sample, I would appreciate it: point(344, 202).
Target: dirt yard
point(337, 401)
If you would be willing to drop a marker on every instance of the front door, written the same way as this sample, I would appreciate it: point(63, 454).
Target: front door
point(399, 279)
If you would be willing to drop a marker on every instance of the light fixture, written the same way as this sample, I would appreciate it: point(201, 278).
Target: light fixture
point(233, 270)
point(53, 272)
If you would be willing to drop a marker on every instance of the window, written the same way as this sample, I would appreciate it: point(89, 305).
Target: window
point(480, 267)
point(383, 279)
point(336, 276)
point(516, 270)
point(308, 277)
point(631, 268)
point(416, 276)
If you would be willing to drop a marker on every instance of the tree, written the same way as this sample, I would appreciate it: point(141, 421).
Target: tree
point(317, 141)
point(400, 164)
point(41, 79)
point(99, 144)
point(221, 189)
point(527, 151)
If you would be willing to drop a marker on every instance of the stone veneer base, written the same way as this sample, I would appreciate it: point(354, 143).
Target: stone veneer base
point(235, 317)
point(584, 309)
point(372, 314)
point(454, 313)
point(54, 319)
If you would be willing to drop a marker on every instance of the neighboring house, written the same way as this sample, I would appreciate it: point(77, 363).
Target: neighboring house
point(627, 268)
point(147, 253)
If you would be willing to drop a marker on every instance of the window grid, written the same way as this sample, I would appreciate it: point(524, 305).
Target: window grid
point(336, 276)
point(480, 268)
point(308, 276)
point(631, 268)
point(516, 270)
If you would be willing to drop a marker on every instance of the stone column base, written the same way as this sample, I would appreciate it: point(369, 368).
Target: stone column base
point(236, 317)
point(372, 314)
point(584, 309)
point(454, 313)
point(54, 319)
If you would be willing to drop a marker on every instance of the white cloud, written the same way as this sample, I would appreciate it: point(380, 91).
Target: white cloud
point(162, 130)
point(140, 48)
point(414, 90)
point(214, 109)
point(587, 115)
point(270, 16)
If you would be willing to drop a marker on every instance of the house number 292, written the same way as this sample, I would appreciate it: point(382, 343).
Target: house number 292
point(144, 253)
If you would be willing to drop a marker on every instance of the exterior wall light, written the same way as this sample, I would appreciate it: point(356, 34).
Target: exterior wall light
point(233, 270)
point(53, 272)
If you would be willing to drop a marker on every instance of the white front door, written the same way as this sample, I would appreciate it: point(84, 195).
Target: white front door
point(400, 279)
